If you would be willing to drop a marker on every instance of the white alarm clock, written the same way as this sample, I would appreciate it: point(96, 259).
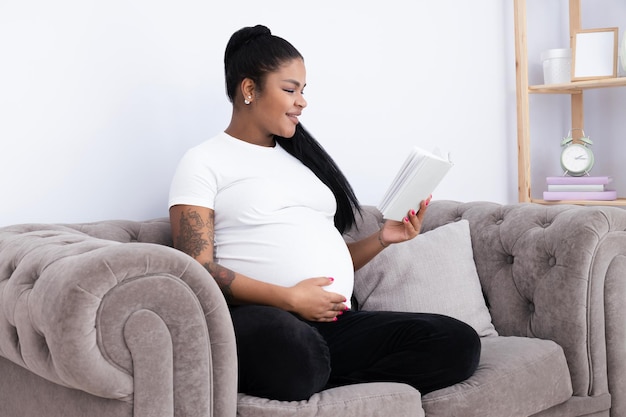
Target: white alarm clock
point(576, 158)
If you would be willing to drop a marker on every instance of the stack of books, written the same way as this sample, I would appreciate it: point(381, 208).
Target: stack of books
point(579, 188)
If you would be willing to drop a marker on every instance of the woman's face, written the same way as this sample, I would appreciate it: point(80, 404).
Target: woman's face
point(281, 100)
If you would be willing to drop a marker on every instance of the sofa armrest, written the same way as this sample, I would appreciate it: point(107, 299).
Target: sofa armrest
point(552, 272)
point(129, 321)
point(611, 264)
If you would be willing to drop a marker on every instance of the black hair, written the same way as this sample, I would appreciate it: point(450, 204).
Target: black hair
point(253, 52)
point(304, 147)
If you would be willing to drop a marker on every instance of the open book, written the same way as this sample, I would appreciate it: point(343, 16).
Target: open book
point(418, 177)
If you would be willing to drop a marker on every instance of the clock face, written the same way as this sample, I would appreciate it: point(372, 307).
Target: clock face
point(577, 159)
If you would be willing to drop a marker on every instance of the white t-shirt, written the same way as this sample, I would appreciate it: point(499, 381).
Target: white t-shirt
point(274, 219)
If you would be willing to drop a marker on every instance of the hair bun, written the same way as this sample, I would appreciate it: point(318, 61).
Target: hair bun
point(256, 32)
point(244, 36)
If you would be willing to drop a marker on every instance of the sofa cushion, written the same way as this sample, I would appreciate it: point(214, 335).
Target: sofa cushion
point(363, 400)
point(516, 376)
point(433, 273)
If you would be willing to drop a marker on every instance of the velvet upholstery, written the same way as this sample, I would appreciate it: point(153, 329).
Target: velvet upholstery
point(105, 319)
point(363, 400)
point(516, 376)
point(86, 313)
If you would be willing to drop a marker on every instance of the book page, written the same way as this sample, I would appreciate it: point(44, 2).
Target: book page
point(417, 178)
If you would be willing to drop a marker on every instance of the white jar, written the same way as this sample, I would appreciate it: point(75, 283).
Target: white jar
point(557, 66)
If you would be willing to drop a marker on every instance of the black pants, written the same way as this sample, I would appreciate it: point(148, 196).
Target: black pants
point(286, 358)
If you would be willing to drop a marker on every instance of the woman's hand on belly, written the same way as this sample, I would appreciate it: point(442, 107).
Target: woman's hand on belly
point(312, 302)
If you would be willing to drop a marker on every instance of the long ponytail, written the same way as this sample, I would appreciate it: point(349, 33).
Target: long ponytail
point(306, 149)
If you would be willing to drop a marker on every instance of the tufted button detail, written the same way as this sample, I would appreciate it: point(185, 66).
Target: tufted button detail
point(552, 261)
point(531, 307)
point(459, 218)
point(546, 225)
point(509, 259)
point(499, 222)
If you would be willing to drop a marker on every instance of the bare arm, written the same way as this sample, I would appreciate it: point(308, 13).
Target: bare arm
point(366, 249)
point(193, 233)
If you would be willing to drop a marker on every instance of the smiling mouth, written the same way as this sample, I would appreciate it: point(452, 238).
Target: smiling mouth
point(293, 117)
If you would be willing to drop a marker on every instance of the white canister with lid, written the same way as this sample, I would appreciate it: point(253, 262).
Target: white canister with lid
point(557, 66)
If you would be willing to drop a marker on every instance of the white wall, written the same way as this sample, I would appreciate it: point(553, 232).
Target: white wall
point(99, 99)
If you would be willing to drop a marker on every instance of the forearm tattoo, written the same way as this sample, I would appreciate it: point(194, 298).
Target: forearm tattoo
point(224, 278)
point(191, 241)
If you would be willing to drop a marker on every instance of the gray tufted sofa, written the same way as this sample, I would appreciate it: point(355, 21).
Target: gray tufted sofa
point(105, 319)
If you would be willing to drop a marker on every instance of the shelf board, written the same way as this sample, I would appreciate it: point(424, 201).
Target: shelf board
point(576, 87)
point(618, 202)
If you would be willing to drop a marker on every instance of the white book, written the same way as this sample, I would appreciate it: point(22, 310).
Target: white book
point(575, 187)
point(418, 177)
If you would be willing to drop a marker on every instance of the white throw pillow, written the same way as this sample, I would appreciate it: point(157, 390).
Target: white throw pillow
point(432, 273)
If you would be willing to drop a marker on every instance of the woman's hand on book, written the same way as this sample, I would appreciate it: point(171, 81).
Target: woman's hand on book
point(396, 232)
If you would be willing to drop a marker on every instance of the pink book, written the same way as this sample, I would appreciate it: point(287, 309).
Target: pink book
point(608, 195)
point(564, 180)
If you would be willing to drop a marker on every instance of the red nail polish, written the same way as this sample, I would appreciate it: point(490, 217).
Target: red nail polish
point(335, 318)
point(406, 219)
point(331, 279)
point(413, 211)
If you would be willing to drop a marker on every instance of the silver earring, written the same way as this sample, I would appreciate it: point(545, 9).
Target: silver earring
point(247, 100)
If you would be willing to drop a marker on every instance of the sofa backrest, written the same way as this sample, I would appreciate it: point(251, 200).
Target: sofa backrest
point(125, 231)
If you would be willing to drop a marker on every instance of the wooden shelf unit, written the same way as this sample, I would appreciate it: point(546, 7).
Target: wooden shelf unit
point(574, 89)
